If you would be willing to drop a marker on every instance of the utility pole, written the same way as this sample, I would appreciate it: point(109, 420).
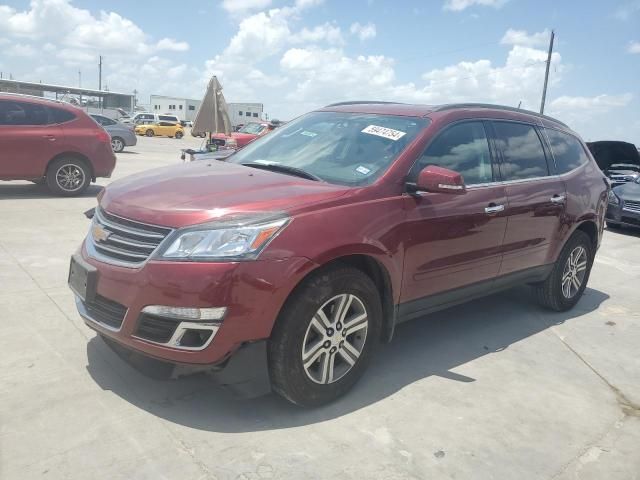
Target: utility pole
point(100, 82)
point(546, 73)
point(79, 79)
point(100, 74)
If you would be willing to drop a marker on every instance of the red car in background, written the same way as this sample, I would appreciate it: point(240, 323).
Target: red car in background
point(52, 142)
point(247, 134)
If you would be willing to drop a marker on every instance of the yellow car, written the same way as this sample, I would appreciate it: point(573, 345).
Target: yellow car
point(167, 129)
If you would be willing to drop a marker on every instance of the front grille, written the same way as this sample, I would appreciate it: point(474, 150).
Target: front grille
point(105, 311)
point(125, 240)
point(155, 329)
point(632, 206)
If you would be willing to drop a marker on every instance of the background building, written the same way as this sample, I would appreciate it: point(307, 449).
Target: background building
point(242, 113)
point(183, 108)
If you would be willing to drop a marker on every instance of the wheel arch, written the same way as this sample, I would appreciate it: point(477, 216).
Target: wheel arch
point(371, 266)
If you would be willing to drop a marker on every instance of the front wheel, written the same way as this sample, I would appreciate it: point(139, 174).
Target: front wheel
point(325, 336)
point(179, 135)
point(149, 133)
point(568, 279)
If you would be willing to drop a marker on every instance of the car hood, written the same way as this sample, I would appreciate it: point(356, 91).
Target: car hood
point(197, 192)
point(236, 135)
point(610, 153)
point(628, 191)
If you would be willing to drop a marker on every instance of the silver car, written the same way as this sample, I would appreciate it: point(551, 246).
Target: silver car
point(121, 135)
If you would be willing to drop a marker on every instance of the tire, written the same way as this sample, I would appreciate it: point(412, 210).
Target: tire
point(298, 328)
point(552, 293)
point(68, 176)
point(179, 135)
point(149, 133)
point(117, 144)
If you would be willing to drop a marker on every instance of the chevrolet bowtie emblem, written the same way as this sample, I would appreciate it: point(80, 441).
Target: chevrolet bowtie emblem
point(100, 234)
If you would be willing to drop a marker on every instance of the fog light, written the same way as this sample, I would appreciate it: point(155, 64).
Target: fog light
point(186, 313)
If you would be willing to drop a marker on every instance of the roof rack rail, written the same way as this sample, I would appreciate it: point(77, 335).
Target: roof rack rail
point(362, 102)
point(497, 107)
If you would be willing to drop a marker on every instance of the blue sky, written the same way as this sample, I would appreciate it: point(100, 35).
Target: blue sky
point(295, 55)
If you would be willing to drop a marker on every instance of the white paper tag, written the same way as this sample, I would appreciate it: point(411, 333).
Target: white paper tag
point(308, 134)
point(363, 170)
point(384, 132)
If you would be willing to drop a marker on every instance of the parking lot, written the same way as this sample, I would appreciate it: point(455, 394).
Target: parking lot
point(497, 388)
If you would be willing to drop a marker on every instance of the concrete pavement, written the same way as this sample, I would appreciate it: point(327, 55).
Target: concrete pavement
point(495, 389)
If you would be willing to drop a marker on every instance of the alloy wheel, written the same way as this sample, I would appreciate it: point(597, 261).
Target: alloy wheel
point(335, 339)
point(117, 145)
point(70, 177)
point(574, 272)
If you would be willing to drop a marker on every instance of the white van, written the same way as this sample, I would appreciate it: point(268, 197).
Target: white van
point(145, 117)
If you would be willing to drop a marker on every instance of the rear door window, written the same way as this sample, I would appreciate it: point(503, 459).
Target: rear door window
point(462, 148)
point(522, 153)
point(23, 113)
point(567, 150)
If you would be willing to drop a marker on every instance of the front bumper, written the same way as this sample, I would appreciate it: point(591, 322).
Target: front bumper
point(253, 293)
point(620, 215)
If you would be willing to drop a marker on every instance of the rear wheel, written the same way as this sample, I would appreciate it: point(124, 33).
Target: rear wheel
point(149, 133)
point(117, 144)
point(68, 177)
point(325, 336)
point(568, 279)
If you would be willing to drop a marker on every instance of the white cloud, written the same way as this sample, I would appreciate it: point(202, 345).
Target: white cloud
point(599, 103)
point(172, 45)
point(634, 47)
point(326, 32)
point(364, 32)
point(243, 6)
point(18, 50)
point(459, 5)
point(521, 37)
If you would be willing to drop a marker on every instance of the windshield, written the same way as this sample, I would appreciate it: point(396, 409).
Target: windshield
point(342, 148)
point(252, 128)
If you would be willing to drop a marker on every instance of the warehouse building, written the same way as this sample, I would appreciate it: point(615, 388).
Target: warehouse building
point(183, 108)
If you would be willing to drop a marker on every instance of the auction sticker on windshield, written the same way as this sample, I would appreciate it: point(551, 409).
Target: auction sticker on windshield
point(384, 132)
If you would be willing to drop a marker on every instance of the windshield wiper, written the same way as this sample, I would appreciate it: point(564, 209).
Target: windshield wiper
point(277, 167)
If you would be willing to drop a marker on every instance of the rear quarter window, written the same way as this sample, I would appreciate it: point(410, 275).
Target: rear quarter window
point(59, 115)
point(567, 150)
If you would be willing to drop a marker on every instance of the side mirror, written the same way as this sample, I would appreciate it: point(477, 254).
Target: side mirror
point(439, 180)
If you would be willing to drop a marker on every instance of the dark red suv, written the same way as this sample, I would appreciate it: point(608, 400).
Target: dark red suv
point(285, 266)
point(52, 142)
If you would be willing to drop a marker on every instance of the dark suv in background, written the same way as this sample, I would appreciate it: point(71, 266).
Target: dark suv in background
point(286, 265)
point(47, 141)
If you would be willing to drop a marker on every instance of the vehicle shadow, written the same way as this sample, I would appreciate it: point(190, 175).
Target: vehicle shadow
point(431, 346)
point(128, 152)
point(33, 191)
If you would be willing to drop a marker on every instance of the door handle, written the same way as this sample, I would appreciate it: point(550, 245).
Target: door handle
point(558, 198)
point(493, 208)
point(51, 138)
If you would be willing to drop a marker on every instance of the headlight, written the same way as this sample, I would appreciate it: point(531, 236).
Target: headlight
point(231, 142)
point(211, 242)
point(613, 198)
